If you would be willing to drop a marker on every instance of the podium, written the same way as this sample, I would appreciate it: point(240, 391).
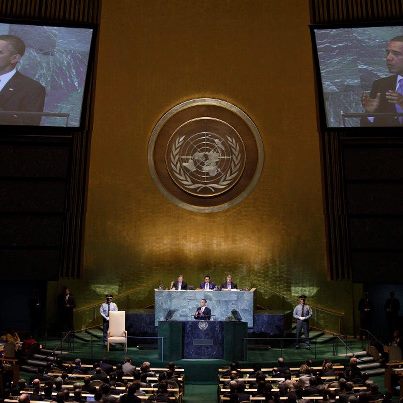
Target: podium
point(203, 339)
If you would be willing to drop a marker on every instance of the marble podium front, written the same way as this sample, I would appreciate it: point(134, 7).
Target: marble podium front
point(181, 305)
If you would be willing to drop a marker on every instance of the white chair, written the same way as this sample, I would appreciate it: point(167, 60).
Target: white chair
point(117, 333)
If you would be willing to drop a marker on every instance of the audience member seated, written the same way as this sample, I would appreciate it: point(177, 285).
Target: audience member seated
point(105, 388)
point(77, 368)
point(78, 397)
point(48, 390)
point(18, 387)
point(145, 371)
point(130, 396)
point(106, 366)
point(352, 372)
point(282, 370)
point(87, 387)
point(327, 369)
point(314, 388)
point(100, 375)
point(24, 398)
point(36, 390)
point(305, 375)
point(128, 368)
point(58, 384)
point(232, 367)
point(233, 390)
point(162, 394)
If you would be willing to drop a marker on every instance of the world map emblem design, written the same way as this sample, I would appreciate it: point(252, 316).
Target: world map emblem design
point(205, 155)
point(205, 163)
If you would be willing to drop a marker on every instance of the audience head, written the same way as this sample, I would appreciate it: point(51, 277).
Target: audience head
point(24, 398)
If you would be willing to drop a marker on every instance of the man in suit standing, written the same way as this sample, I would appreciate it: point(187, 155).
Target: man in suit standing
point(302, 313)
point(207, 284)
point(203, 312)
point(104, 310)
point(18, 93)
point(386, 95)
point(179, 284)
point(229, 284)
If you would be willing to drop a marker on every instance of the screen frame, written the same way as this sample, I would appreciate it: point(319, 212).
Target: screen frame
point(321, 107)
point(88, 83)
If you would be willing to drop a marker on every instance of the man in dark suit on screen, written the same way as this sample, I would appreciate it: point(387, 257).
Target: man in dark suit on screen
point(18, 93)
point(203, 312)
point(386, 94)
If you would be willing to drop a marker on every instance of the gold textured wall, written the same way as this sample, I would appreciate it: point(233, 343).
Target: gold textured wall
point(256, 54)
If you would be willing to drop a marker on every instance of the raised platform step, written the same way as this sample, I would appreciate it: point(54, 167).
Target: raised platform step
point(371, 365)
point(43, 357)
point(353, 354)
point(96, 332)
point(82, 336)
point(29, 368)
point(325, 338)
point(53, 352)
point(313, 334)
point(376, 371)
point(364, 359)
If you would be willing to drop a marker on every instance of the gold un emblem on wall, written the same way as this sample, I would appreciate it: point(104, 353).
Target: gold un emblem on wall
point(205, 155)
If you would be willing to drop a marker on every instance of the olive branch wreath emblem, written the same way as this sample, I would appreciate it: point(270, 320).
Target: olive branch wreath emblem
point(185, 179)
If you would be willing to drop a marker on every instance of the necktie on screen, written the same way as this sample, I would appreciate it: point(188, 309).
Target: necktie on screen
point(399, 108)
point(303, 311)
point(206, 287)
point(109, 308)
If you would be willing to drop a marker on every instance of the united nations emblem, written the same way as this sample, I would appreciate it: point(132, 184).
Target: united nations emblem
point(205, 163)
point(203, 324)
point(205, 155)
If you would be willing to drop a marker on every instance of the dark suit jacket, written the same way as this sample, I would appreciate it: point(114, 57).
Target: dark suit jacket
point(184, 285)
point(211, 286)
point(382, 86)
point(206, 315)
point(224, 285)
point(22, 94)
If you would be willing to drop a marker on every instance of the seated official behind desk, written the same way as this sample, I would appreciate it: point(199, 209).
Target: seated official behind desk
point(229, 284)
point(203, 312)
point(207, 284)
point(179, 284)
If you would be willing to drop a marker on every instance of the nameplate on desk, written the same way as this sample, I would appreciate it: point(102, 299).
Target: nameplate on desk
point(202, 342)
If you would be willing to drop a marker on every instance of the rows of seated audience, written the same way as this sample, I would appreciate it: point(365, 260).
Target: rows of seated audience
point(327, 382)
point(99, 382)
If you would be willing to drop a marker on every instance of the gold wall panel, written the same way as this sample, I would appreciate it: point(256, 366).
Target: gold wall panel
point(255, 54)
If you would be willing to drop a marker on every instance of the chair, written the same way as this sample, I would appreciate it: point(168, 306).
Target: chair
point(117, 333)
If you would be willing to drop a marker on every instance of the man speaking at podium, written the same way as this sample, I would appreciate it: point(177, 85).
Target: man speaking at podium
point(17, 91)
point(203, 312)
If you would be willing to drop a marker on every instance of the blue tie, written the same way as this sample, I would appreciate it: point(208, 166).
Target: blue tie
point(399, 109)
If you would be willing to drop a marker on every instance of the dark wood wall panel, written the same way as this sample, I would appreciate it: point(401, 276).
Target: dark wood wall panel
point(85, 11)
point(43, 173)
point(362, 174)
point(339, 11)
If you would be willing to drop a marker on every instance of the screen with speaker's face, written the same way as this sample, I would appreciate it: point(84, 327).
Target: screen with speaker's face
point(43, 72)
point(359, 68)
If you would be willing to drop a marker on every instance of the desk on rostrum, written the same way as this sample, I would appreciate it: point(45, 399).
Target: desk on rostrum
point(181, 305)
